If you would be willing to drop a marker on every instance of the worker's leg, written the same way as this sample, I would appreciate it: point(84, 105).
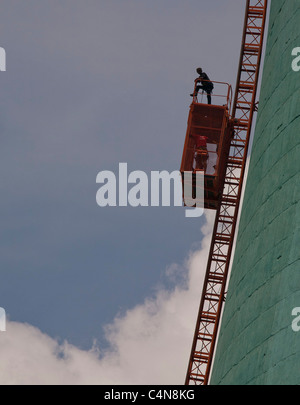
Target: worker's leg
point(196, 91)
point(208, 96)
point(198, 161)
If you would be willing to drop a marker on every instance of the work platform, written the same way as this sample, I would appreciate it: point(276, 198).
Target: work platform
point(207, 143)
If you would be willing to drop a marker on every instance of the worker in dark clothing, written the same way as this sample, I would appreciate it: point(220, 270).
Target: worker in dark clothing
point(201, 153)
point(204, 84)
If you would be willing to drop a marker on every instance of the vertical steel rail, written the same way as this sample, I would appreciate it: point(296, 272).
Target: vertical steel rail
point(226, 215)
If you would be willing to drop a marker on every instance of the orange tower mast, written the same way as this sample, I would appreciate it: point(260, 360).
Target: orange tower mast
point(237, 132)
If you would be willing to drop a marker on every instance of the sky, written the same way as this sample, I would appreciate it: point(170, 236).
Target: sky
point(101, 295)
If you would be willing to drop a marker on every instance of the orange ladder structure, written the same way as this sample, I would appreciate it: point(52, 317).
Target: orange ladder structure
point(244, 106)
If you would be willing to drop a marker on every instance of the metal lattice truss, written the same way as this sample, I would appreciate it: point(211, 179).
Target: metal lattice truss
point(213, 294)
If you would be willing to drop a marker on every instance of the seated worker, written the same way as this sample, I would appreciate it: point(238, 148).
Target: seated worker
point(205, 84)
point(201, 153)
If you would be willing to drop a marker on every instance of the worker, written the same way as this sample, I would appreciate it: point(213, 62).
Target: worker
point(201, 155)
point(205, 84)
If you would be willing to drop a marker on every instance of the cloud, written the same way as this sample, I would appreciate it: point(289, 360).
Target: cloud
point(149, 344)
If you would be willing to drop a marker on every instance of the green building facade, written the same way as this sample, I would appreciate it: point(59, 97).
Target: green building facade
point(257, 344)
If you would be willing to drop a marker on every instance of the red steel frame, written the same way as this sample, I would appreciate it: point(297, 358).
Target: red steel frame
point(213, 294)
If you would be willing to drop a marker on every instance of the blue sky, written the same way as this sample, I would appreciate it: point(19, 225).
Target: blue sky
point(88, 85)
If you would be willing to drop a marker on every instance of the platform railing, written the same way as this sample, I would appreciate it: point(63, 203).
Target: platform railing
point(220, 95)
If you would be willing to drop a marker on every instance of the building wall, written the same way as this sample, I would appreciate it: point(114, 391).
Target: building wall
point(257, 344)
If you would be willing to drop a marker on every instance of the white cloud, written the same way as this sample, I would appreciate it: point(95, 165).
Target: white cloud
point(149, 344)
